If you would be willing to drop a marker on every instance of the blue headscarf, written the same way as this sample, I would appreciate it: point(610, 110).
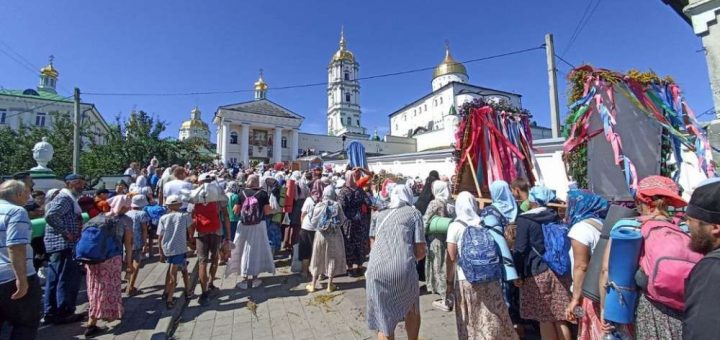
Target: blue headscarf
point(541, 195)
point(503, 200)
point(584, 204)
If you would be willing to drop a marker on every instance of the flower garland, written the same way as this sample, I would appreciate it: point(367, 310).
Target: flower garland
point(660, 99)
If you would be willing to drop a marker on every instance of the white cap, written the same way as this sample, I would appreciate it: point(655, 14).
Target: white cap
point(204, 177)
point(173, 199)
point(139, 201)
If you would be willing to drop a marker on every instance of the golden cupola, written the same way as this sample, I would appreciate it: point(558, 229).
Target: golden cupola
point(48, 77)
point(343, 53)
point(260, 87)
point(195, 121)
point(449, 66)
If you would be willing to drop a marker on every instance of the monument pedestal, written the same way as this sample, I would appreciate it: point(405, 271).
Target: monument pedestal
point(45, 180)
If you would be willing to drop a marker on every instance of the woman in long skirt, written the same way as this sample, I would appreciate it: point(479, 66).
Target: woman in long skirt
point(435, 271)
point(355, 206)
point(251, 255)
point(328, 254)
point(480, 312)
point(104, 288)
point(398, 242)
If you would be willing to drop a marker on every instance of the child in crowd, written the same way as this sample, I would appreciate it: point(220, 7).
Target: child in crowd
point(173, 231)
point(140, 221)
point(154, 211)
point(521, 190)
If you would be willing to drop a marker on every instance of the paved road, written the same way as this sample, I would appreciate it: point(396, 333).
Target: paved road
point(284, 310)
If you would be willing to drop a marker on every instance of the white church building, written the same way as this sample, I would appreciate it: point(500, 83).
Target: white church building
point(265, 131)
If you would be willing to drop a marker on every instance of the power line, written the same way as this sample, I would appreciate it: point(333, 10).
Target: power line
point(385, 75)
point(23, 59)
point(581, 25)
point(15, 59)
point(34, 108)
point(565, 61)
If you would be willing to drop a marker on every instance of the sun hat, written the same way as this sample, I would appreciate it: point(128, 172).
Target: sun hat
point(139, 201)
point(172, 200)
point(655, 186)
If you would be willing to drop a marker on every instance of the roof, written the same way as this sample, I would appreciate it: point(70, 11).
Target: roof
point(262, 107)
point(33, 94)
point(677, 6)
point(452, 83)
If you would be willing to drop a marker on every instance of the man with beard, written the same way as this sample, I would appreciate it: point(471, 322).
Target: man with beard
point(702, 291)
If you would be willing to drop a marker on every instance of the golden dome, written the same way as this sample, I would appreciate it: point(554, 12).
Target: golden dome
point(194, 124)
point(260, 84)
point(449, 66)
point(343, 53)
point(49, 70)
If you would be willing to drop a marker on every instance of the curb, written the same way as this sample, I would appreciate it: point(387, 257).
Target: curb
point(169, 319)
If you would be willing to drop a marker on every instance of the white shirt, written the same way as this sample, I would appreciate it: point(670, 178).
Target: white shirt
point(307, 209)
point(586, 234)
point(176, 187)
point(454, 235)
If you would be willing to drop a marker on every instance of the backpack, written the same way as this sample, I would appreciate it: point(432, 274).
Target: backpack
point(479, 258)
point(667, 260)
point(557, 247)
point(326, 218)
point(98, 241)
point(251, 212)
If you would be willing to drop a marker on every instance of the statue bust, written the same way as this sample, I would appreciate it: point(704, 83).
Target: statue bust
point(42, 154)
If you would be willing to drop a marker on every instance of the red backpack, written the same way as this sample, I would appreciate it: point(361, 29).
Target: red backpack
point(667, 260)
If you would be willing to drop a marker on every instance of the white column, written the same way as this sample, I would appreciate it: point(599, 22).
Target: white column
point(218, 141)
point(293, 144)
point(225, 142)
point(244, 144)
point(277, 149)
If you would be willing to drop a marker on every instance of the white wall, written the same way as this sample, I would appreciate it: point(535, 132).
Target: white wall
point(323, 143)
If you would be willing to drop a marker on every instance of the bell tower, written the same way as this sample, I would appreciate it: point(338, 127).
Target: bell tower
point(344, 115)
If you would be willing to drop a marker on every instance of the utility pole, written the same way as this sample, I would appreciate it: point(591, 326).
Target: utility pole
point(76, 132)
point(552, 86)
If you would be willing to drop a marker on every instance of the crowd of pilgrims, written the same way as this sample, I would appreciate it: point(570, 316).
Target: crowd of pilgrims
point(339, 221)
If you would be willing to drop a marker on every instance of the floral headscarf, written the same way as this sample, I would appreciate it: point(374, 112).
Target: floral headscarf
point(583, 205)
point(350, 179)
point(117, 203)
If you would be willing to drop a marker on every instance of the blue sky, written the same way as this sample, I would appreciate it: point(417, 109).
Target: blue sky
point(194, 46)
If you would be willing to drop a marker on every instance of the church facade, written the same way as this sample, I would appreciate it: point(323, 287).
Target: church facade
point(264, 131)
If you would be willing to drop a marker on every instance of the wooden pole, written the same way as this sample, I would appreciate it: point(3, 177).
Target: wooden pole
point(474, 176)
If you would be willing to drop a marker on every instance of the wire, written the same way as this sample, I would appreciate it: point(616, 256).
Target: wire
point(34, 108)
point(13, 58)
point(564, 61)
point(385, 75)
point(581, 25)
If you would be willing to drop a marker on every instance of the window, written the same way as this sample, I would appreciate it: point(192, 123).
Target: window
point(434, 102)
point(347, 75)
point(358, 122)
point(349, 121)
point(3, 116)
point(40, 119)
point(347, 97)
point(425, 107)
point(405, 117)
point(397, 127)
point(440, 100)
point(283, 142)
point(233, 137)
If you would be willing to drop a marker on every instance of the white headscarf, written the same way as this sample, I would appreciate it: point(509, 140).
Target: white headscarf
point(400, 196)
point(466, 209)
point(441, 190)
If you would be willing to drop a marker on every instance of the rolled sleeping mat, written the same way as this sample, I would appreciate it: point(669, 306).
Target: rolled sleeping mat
point(590, 287)
point(622, 293)
point(439, 225)
point(38, 225)
point(509, 271)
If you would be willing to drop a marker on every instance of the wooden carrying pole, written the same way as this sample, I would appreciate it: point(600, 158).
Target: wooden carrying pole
point(474, 176)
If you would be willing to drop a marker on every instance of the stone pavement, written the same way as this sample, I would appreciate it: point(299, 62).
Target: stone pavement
point(284, 310)
point(143, 316)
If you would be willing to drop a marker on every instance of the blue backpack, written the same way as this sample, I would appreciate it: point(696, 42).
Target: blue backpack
point(479, 258)
point(557, 247)
point(98, 241)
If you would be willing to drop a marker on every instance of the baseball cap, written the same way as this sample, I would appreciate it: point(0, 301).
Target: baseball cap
point(704, 203)
point(173, 199)
point(74, 177)
point(139, 201)
point(660, 186)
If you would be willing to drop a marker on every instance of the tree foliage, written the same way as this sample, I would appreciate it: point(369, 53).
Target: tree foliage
point(136, 139)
